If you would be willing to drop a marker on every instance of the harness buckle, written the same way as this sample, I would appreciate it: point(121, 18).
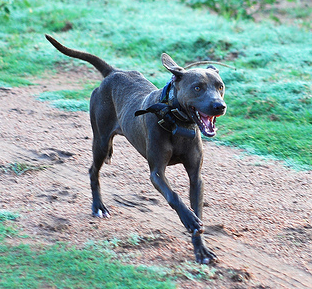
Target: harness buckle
point(180, 115)
point(163, 124)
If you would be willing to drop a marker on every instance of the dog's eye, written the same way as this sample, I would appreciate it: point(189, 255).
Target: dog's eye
point(197, 88)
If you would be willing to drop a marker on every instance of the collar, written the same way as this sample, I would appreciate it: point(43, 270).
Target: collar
point(169, 94)
point(165, 92)
point(169, 97)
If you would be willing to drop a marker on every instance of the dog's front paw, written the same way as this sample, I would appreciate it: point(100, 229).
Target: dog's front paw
point(202, 254)
point(192, 223)
point(188, 218)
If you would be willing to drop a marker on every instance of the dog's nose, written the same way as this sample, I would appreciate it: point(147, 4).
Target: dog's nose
point(219, 107)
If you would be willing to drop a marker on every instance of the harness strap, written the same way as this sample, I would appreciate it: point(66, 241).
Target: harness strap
point(160, 109)
point(168, 112)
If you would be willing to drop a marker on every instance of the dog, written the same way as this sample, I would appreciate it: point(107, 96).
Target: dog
point(164, 125)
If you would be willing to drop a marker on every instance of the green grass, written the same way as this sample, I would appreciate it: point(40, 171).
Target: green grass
point(7, 215)
point(60, 266)
point(6, 230)
point(70, 100)
point(264, 137)
point(269, 97)
point(19, 168)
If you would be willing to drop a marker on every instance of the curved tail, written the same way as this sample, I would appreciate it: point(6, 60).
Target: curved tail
point(97, 62)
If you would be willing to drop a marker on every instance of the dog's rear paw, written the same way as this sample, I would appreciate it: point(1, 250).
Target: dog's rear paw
point(100, 211)
point(101, 214)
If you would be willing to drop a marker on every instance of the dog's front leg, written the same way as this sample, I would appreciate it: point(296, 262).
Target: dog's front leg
point(191, 222)
point(193, 167)
point(189, 219)
point(202, 254)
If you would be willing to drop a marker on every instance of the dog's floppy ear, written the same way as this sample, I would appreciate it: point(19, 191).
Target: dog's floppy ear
point(212, 67)
point(174, 68)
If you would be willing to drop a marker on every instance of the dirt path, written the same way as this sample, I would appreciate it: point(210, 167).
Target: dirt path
point(257, 212)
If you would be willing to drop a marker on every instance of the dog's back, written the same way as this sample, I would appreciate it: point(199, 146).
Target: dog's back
point(117, 98)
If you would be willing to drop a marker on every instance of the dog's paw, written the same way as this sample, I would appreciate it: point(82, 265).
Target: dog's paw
point(100, 211)
point(205, 256)
point(192, 223)
point(202, 254)
point(101, 214)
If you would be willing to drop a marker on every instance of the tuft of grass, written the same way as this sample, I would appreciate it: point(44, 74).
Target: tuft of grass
point(70, 100)
point(193, 271)
point(184, 270)
point(20, 168)
point(5, 229)
point(134, 239)
point(7, 215)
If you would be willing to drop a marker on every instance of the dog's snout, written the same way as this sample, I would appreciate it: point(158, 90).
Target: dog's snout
point(219, 107)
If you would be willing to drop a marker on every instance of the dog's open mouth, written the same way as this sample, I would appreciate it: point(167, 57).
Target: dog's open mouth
point(205, 122)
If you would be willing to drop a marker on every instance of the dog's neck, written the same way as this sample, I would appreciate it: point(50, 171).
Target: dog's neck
point(171, 116)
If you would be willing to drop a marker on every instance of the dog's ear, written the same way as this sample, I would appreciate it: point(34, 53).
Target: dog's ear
point(212, 67)
point(174, 68)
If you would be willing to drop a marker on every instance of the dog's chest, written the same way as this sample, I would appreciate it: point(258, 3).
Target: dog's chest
point(183, 148)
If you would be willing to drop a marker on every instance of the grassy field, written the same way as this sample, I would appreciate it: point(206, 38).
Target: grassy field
point(269, 96)
point(60, 266)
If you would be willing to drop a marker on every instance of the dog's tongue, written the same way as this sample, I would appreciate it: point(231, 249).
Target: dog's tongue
point(208, 122)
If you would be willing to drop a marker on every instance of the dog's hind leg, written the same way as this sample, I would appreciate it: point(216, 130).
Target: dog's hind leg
point(105, 127)
point(102, 151)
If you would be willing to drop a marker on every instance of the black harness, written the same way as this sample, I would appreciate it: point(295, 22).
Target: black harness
point(170, 114)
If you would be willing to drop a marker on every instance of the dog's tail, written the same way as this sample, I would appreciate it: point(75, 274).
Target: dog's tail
point(97, 62)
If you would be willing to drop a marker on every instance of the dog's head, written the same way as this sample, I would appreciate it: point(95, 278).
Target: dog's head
point(200, 92)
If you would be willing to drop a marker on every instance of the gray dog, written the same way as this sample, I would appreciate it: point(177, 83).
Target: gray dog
point(164, 125)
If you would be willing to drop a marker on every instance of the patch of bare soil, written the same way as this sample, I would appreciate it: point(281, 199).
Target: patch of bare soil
point(257, 212)
point(279, 12)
